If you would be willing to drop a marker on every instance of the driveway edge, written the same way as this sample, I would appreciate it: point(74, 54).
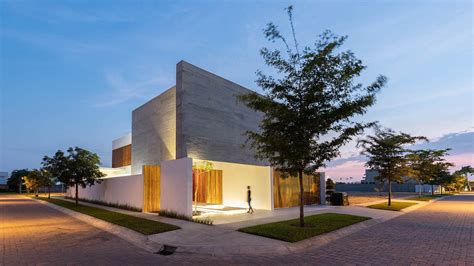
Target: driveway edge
point(135, 238)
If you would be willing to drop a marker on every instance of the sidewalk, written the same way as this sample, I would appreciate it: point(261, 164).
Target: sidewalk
point(223, 239)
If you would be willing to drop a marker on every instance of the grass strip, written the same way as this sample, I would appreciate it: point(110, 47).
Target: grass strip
point(395, 206)
point(422, 198)
point(141, 225)
point(318, 224)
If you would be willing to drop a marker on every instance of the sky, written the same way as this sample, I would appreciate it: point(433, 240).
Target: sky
point(71, 72)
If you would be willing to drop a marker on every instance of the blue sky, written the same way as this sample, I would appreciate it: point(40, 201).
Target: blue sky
point(72, 71)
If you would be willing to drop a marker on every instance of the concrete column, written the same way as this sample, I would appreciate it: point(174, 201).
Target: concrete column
point(322, 188)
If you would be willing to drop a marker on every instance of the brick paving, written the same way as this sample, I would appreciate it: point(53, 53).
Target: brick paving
point(439, 233)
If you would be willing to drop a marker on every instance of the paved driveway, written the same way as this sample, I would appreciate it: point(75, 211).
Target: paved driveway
point(32, 233)
point(439, 233)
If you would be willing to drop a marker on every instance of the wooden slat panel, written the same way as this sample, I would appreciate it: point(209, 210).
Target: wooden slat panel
point(219, 199)
point(151, 188)
point(286, 190)
point(209, 186)
point(122, 156)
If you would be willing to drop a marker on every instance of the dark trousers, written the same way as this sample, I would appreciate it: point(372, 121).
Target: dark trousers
point(250, 206)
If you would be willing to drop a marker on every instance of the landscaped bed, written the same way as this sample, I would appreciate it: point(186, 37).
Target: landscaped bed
point(141, 225)
point(422, 198)
point(395, 206)
point(290, 231)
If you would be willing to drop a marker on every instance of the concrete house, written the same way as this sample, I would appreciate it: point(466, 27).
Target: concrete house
point(197, 121)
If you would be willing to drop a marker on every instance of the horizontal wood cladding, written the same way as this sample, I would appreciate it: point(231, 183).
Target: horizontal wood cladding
point(122, 156)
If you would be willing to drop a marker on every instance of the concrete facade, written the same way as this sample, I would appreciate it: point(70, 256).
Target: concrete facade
point(154, 131)
point(210, 121)
point(122, 141)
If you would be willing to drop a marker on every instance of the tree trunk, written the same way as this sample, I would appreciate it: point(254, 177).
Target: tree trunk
point(300, 177)
point(419, 194)
point(77, 194)
point(432, 190)
point(196, 192)
point(389, 192)
point(49, 192)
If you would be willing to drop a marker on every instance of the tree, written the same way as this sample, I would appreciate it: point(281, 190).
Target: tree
point(15, 181)
point(47, 180)
point(200, 168)
point(443, 178)
point(308, 112)
point(330, 184)
point(79, 167)
point(466, 171)
point(35, 179)
point(424, 165)
point(456, 182)
point(387, 154)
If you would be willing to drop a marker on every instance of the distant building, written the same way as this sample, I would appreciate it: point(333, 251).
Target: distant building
point(3, 178)
point(369, 177)
point(371, 174)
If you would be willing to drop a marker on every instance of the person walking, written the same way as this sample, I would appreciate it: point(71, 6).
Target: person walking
point(249, 200)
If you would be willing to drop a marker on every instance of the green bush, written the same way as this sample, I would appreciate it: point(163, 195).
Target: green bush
point(109, 204)
point(175, 215)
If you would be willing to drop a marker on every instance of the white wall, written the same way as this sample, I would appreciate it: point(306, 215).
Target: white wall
point(426, 188)
point(236, 178)
point(122, 190)
point(176, 184)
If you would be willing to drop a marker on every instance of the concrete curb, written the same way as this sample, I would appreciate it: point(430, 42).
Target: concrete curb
point(135, 238)
point(283, 248)
point(153, 243)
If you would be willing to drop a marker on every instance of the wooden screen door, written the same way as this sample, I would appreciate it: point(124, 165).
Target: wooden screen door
point(209, 186)
point(151, 188)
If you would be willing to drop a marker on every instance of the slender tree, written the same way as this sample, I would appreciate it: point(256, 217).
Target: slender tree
point(466, 171)
point(309, 110)
point(424, 165)
point(34, 180)
point(200, 169)
point(47, 180)
point(387, 154)
point(78, 168)
point(16, 179)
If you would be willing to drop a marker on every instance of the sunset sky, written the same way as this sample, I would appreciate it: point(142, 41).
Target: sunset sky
point(71, 72)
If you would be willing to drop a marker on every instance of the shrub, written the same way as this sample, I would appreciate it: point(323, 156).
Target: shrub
point(175, 215)
point(109, 204)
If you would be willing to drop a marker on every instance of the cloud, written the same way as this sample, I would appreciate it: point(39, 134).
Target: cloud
point(458, 142)
point(123, 89)
point(442, 39)
point(415, 99)
point(461, 154)
point(55, 43)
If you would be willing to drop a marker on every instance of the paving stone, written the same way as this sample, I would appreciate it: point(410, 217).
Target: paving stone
point(438, 233)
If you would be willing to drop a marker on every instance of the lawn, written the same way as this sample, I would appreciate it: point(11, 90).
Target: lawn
point(290, 231)
point(141, 225)
point(422, 198)
point(395, 206)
